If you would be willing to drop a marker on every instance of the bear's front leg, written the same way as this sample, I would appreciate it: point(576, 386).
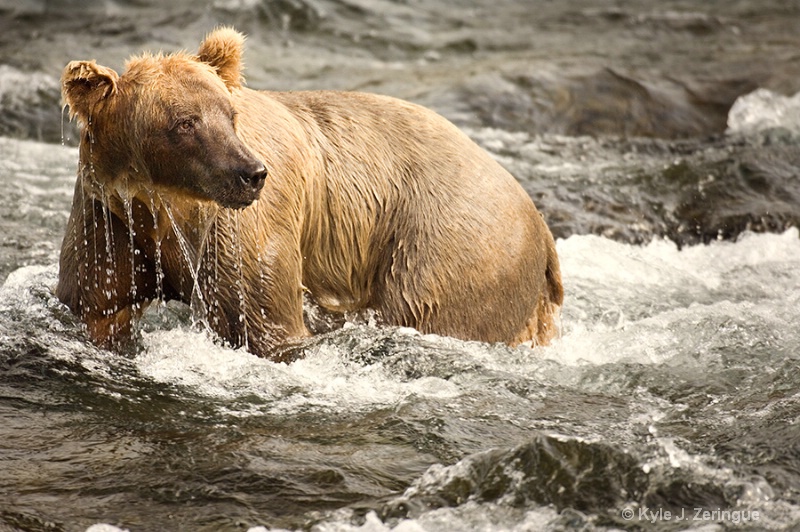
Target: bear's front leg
point(112, 331)
point(103, 277)
point(252, 287)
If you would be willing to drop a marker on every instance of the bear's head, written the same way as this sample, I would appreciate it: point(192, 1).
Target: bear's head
point(167, 122)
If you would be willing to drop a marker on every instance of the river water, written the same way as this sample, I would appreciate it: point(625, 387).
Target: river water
point(662, 145)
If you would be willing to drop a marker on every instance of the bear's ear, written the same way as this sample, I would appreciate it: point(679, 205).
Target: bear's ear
point(222, 49)
point(84, 84)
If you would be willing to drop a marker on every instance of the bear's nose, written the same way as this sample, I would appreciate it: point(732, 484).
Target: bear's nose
point(254, 178)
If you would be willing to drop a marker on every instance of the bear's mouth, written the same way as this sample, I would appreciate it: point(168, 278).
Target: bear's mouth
point(237, 205)
point(238, 201)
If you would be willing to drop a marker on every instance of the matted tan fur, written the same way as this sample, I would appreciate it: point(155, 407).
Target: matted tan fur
point(192, 186)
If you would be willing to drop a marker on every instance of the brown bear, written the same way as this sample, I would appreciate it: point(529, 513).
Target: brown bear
point(193, 187)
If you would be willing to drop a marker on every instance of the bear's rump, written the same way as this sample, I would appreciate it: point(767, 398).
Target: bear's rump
point(475, 279)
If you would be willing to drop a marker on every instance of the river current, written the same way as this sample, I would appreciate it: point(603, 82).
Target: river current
point(669, 402)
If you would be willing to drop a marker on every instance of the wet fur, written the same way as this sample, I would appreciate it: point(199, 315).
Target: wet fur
point(370, 203)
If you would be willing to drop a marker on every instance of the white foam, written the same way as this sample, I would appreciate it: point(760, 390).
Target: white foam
point(470, 516)
point(15, 291)
point(646, 303)
point(763, 109)
point(323, 379)
point(661, 263)
point(104, 527)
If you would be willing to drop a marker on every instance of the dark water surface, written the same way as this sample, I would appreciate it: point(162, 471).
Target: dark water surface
point(671, 400)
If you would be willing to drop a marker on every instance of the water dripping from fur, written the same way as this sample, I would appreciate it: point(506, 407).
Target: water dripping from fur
point(157, 259)
point(240, 280)
point(127, 205)
point(198, 303)
point(109, 288)
point(63, 122)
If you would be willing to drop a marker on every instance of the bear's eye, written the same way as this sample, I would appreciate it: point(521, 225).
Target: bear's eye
point(185, 126)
